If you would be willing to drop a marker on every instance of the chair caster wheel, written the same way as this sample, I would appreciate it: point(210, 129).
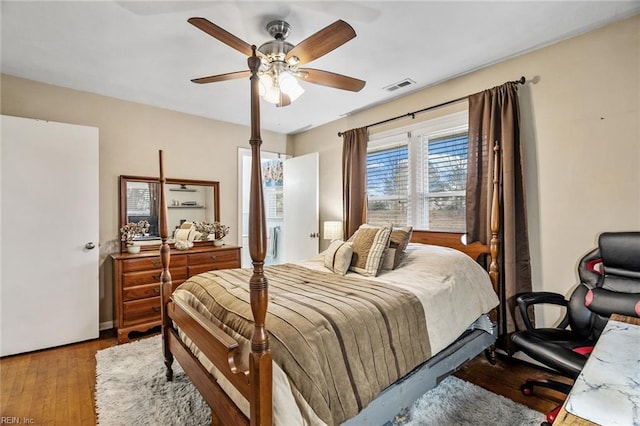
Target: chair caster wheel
point(526, 389)
point(545, 424)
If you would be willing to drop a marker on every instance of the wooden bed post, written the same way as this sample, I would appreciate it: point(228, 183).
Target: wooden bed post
point(260, 363)
point(165, 276)
point(494, 244)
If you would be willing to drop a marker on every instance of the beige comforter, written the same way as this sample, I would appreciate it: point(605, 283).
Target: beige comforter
point(339, 340)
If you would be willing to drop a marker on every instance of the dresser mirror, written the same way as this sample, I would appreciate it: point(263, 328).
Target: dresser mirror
point(187, 201)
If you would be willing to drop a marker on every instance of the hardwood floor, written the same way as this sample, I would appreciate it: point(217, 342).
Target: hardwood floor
point(56, 386)
point(505, 377)
point(53, 386)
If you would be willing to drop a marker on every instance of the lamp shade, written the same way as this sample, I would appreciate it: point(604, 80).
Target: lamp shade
point(332, 230)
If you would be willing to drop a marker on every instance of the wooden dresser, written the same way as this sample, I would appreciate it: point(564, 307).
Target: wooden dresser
point(137, 282)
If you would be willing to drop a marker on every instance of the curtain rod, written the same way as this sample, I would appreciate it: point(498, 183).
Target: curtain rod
point(521, 80)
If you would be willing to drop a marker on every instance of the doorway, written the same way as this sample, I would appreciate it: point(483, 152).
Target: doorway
point(273, 193)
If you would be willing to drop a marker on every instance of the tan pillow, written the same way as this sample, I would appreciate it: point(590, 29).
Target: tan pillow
point(369, 245)
point(400, 236)
point(398, 241)
point(338, 256)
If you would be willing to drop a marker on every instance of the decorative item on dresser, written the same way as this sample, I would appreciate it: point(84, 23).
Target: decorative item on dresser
point(137, 282)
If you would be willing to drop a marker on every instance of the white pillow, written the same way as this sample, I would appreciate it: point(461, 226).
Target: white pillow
point(338, 256)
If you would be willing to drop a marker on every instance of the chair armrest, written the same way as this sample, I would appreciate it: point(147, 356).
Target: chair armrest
point(525, 300)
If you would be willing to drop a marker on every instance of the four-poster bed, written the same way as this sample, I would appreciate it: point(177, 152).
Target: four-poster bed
point(228, 372)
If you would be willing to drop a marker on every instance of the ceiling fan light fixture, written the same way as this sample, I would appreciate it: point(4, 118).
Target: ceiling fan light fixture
point(266, 82)
point(272, 95)
point(289, 85)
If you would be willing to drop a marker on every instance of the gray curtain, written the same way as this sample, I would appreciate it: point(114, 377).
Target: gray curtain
point(354, 179)
point(494, 116)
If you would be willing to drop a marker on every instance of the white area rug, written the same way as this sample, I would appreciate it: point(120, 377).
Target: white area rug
point(131, 389)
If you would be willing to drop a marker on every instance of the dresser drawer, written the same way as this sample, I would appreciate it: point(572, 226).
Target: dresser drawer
point(213, 257)
point(137, 282)
point(143, 310)
point(144, 291)
point(148, 263)
point(131, 279)
point(198, 269)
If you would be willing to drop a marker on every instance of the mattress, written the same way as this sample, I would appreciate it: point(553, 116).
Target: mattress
point(449, 288)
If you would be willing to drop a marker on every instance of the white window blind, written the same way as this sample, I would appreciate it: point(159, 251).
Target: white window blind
point(445, 158)
point(417, 176)
point(388, 182)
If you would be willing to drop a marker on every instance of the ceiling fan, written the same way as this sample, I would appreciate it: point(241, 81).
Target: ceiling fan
point(281, 60)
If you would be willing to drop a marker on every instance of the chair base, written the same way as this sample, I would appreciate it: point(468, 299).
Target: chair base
point(551, 416)
point(527, 387)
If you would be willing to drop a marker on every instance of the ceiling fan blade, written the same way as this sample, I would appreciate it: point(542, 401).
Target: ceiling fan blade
point(331, 79)
point(322, 42)
point(221, 34)
point(222, 77)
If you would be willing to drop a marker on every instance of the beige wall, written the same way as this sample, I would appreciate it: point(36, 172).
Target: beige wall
point(130, 136)
point(580, 129)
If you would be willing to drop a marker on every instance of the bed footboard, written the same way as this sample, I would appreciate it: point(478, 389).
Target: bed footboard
point(220, 348)
point(223, 408)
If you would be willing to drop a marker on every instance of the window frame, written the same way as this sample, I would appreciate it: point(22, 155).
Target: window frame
point(414, 137)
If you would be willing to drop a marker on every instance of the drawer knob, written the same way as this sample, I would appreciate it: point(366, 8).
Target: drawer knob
point(156, 277)
point(156, 290)
point(213, 256)
point(155, 308)
point(156, 263)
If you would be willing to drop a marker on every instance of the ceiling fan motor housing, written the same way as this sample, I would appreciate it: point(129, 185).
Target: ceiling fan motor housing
point(278, 29)
point(275, 50)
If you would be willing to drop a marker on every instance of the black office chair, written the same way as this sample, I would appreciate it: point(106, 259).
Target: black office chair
point(609, 283)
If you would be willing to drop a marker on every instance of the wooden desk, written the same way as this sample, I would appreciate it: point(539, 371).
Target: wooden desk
point(569, 419)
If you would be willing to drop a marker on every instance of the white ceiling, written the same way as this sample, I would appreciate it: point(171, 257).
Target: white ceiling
point(146, 52)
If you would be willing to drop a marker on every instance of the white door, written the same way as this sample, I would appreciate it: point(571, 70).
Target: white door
point(49, 222)
point(300, 204)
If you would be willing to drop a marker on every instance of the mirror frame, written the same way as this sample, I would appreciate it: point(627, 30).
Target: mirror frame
point(215, 185)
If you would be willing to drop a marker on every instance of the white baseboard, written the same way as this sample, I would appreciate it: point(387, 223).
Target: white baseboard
point(105, 325)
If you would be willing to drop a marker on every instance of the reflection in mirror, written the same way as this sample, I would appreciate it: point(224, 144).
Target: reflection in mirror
point(143, 199)
point(187, 201)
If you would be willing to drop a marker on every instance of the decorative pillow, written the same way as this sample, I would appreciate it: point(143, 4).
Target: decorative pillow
point(389, 259)
point(369, 245)
point(338, 256)
point(398, 241)
point(400, 236)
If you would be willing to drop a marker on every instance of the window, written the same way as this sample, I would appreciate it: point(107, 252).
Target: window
point(417, 176)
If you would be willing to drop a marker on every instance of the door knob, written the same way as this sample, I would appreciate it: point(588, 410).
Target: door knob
point(89, 246)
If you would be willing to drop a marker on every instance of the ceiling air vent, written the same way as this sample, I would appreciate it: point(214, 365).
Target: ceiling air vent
point(399, 85)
